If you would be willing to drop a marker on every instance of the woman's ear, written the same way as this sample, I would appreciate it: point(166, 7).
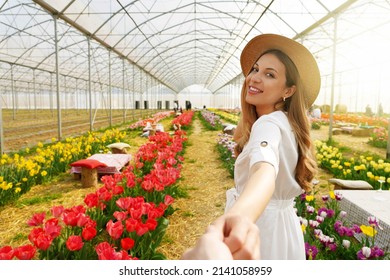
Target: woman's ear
point(290, 91)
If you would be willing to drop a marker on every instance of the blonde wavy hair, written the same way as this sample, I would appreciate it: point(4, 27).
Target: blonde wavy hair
point(306, 168)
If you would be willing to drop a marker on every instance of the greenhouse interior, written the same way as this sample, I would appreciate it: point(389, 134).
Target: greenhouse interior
point(93, 94)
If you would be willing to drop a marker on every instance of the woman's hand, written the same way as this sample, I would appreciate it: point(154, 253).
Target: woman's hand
point(240, 235)
point(210, 246)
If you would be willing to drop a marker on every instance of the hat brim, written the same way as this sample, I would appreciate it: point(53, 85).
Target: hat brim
point(300, 55)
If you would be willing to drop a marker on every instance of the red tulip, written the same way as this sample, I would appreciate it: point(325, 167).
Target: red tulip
point(37, 219)
point(6, 253)
point(127, 243)
point(89, 233)
point(74, 243)
point(115, 230)
point(25, 252)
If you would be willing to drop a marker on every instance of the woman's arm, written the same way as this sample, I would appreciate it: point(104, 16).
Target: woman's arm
point(257, 192)
point(246, 210)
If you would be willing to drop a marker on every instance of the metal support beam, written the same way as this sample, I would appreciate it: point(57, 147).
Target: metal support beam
point(109, 88)
point(388, 141)
point(2, 150)
point(333, 78)
point(123, 90)
point(35, 95)
point(59, 125)
point(13, 93)
point(89, 85)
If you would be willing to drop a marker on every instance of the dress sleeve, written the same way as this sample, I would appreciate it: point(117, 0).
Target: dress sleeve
point(264, 143)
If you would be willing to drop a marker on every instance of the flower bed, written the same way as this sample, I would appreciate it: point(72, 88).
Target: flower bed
point(362, 168)
point(329, 237)
point(379, 138)
point(210, 120)
point(225, 148)
point(154, 119)
point(232, 117)
point(124, 219)
point(184, 120)
point(19, 172)
point(358, 119)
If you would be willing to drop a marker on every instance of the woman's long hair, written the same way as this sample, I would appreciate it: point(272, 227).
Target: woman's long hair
point(295, 107)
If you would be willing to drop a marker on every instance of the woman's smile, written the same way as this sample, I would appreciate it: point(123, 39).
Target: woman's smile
point(253, 91)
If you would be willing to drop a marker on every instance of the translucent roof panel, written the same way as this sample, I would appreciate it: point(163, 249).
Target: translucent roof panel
point(182, 42)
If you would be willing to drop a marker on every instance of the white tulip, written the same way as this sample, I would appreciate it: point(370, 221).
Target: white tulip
point(343, 214)
point(347, 244)
point(366, 252)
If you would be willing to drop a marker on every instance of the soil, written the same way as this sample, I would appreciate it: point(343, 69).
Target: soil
point(25, 128)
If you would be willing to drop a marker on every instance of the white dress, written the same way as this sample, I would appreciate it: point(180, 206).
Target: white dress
point(272, 140)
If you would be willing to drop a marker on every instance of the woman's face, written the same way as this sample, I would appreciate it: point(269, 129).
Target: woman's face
point(266, 84)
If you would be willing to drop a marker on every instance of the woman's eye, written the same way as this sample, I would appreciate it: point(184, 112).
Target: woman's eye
point(254, 70)
point(270, 75)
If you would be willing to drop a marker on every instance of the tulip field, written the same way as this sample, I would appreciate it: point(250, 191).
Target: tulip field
point(172, 189)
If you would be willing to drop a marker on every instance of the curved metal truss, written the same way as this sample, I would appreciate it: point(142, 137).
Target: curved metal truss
point(138, 45)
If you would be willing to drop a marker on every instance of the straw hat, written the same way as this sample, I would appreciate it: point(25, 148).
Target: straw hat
point(302, 58)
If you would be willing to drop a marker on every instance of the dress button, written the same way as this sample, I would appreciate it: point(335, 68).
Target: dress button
point(264, 143)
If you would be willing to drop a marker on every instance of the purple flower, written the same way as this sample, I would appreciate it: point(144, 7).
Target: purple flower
point(373, 221)
point(348, 232)
point(377, 252)
point(311, 251)
point(356, 228)
point(323, 212)
point(313, 224)
point(364, 253)
point(337, 224)
point(332, 246)
point(338, 196)
point(310, 209)
point(330, 213)
point(325, 198)
point(341, 230)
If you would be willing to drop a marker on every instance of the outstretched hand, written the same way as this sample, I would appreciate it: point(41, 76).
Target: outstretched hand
point(210, 246)
point(228, 237)
point(241, 236)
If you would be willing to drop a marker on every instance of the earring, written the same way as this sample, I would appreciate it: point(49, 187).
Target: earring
point(284, 98)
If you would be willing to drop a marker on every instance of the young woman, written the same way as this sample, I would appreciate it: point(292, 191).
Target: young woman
point(275, 160)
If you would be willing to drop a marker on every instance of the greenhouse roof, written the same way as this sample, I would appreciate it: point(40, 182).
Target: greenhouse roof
point(182, 43)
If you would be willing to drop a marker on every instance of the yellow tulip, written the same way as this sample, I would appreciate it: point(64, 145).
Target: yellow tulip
point(368, 230)
point(309, 198)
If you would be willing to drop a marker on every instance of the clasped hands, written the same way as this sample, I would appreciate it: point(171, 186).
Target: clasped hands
point(229, 237)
